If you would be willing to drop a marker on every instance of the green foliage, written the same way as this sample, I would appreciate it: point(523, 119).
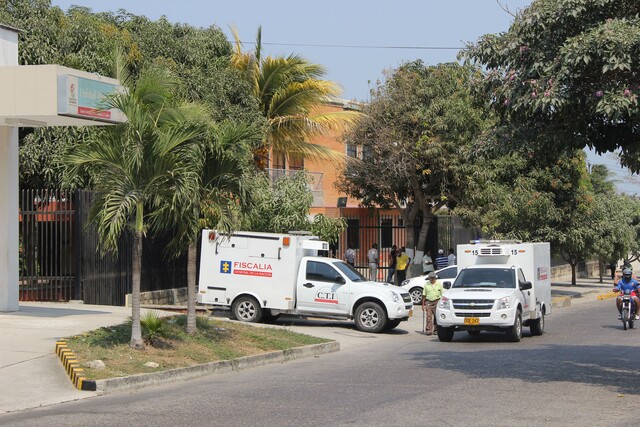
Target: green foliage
point(145, 167)
point(282, 205)
point(600, 180)
point(154, 326)
point(517, 197)
point(565, 76)
point(199, 58)
point(289, 90)
point(414, 136)
point(328, 229)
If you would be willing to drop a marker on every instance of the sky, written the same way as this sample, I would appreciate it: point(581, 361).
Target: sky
point(377, 32)
point(355, 40)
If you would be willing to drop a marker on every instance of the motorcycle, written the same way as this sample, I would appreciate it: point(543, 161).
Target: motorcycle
point(628, 313)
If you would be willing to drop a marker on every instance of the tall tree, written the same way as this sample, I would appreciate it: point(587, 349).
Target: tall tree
point(515, 196)
point(414, 136)
point(289, 90)
point(565, 76)
point(141, 169)
point(78, 38)
point(221, 198)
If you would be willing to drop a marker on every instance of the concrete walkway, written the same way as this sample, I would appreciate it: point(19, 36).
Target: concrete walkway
point(31, 375)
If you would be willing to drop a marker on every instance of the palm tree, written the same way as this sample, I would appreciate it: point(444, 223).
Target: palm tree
point(221, 194)
point(289, 90)
point(142, 170)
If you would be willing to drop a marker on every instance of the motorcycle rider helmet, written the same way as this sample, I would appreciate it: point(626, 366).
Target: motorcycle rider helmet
point(626, 272)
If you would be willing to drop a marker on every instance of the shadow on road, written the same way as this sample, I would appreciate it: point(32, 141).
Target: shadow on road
point(605, 366)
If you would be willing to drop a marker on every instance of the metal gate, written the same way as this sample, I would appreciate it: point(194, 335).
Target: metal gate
point(46, 261)
point(388, 229)
point(59, 260)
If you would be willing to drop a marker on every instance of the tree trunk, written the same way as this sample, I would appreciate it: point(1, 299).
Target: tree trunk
point(601, 268)
point(424, 231)
point(573, 272)
point(136, 342)
point(191, 288)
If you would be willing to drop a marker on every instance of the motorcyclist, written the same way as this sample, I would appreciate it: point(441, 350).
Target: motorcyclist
point(627, 282)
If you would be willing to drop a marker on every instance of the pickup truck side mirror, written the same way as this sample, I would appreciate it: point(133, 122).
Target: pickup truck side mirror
point(525, 285)
point(447, 285)
point(340, 280)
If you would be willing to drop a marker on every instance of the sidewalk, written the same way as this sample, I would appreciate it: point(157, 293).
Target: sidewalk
point(563, 294)
point(31, 375)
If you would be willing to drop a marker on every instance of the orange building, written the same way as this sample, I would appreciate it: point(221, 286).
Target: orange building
point(364, 226)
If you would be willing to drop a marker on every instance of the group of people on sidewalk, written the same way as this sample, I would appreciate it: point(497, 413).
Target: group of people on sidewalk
point(399, 263)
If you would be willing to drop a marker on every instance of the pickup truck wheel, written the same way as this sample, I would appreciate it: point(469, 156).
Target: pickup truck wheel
point(416, 295)
point(392, 324)
point(370, 317)
point(247, 309)
point(537, 326)
point(445, 334)
point(514, 333)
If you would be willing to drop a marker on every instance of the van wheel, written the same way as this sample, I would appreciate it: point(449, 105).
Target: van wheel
point(416, 295)
point(445, 334)
point(514, 333)
point(370, 317)
point(537, 326)
point(247, 309)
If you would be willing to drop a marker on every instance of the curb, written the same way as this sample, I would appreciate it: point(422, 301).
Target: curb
point(71, 365)
point(561, 301)
point(224, 366)
point(608, 295)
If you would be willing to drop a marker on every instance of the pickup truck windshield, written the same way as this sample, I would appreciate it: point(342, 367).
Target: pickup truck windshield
point(485, 278)
point(349, 271)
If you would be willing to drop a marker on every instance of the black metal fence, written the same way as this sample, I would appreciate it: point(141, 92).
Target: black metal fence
point(59, 258)
point(388, 229)
point(46, 262)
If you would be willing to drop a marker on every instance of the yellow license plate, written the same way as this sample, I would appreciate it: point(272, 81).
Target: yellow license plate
point(410, 312)
point(471, 320)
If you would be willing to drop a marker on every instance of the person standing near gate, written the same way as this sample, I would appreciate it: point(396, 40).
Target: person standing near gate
point(431, 294)
point(374, 262)
point(441, 260)
point(402, 262)
point(392, 263)
point(427, 263)
point(350, 256)
point(451, 259)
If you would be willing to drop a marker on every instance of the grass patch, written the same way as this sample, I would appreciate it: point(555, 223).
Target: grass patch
point(216, 340)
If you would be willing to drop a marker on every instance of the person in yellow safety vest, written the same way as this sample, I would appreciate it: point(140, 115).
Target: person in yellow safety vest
point(402, 262)
point(431, 294)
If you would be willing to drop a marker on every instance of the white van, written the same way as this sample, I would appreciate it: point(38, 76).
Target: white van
point(262, 275)
point(501, 286)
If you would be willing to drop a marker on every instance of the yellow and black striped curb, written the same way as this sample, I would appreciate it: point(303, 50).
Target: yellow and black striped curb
point(73, 368)
point(608, 295)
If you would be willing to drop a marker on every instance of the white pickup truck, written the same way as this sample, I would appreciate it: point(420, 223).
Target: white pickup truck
point(262, 275)
point(501, 286)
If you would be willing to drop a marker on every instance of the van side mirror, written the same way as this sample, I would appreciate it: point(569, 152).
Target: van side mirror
point(525, 285)
point(447, 285)
point(340, 280)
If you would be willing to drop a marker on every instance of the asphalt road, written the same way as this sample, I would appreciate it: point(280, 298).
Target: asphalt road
point(582, 371)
